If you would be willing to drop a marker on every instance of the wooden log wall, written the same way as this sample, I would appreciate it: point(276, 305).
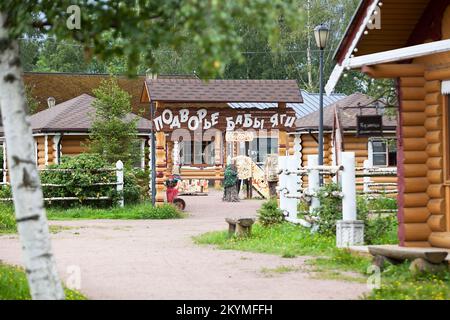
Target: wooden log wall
point(73, 145)
point(413, 197)
point(309, 147)
point(161, 167)
point(40, 150)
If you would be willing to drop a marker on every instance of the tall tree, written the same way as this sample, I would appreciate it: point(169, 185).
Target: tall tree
point(142, 26)
point(113, 133)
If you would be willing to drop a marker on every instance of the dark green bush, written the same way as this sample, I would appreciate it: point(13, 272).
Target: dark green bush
point(269, 213)
point(79, 182)
point(378, 229)
point(330, 209)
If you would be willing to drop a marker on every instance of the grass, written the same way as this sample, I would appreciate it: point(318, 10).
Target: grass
point(284, 239)
point(328, 262)
point(279, 270)
point(138, 211)
point(14, 285)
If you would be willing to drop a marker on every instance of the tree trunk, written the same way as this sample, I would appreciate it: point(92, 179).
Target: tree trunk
point(31, 220)
point(230, 194)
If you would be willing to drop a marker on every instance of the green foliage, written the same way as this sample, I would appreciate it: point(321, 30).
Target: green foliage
point(134, 31)
point(7, 219)
point(397, 283)
point(379, 228)
point(284, 239)
point(138, 211)
point(269, 213)
point(230, 176)
point(79, 181)
point(14, 285)
point(32, 103)
point(113, 132)
point(330, 209)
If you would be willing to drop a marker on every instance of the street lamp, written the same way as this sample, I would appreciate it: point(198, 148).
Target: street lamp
point(321, 33)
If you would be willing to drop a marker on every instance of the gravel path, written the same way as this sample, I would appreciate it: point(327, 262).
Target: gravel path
point(150, 259)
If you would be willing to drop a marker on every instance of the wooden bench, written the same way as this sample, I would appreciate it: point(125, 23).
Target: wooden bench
point(241, 227)
point(422, 259)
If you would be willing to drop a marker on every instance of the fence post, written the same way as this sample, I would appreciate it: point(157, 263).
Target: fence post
point(313, 181)
point(366, 181)
point(349, 231)
point(119, 175)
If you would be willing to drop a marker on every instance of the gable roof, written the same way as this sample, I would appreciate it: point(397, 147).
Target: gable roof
point(400, 19)
point(347, 117)
point(65, 86)
point(74, 115)
point(196, 90)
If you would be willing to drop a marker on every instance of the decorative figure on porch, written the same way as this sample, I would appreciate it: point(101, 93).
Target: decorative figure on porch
point(244, 173)
point(271, 173)
point(230, 182)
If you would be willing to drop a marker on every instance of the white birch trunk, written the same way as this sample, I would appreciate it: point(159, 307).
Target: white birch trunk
point(31, 220)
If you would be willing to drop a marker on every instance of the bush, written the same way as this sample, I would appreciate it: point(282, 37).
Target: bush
point(330, 209)
point(269, 213)
point(381, 229)
point(79, 182)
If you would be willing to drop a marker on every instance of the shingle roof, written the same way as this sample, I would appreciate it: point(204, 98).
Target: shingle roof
point(74, 115)
point(347, 117)
point(194, 90)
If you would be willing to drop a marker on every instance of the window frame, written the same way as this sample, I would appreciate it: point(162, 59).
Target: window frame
point(385, 152)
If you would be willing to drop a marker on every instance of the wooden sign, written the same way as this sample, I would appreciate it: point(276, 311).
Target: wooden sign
point(170, 119)
point(369, 125)
point(239, 136)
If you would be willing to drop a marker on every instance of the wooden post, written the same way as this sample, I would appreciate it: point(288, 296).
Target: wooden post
point(282, 142)
point(160, 167)
point(348, 187)
point(366, 187)
point(218, 159)
point(119, 176)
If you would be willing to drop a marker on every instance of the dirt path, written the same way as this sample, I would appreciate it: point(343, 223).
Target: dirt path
point(123, 259)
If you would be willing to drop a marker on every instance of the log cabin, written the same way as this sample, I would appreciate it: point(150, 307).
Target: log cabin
point(409, 41)
point(340, 134)
point(200, 125)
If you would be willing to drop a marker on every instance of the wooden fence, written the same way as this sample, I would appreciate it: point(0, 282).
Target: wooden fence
point(119, 183)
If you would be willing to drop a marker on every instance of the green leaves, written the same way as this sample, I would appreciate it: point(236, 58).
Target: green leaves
point(114, 133)
point(134, 29)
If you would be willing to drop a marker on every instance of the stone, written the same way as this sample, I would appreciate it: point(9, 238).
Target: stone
point(420, 265)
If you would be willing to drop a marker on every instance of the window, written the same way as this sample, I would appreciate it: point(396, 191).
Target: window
point(383, 152)
point(261, 147)
point(197, 153)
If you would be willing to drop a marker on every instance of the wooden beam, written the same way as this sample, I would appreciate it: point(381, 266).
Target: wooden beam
point(394, 70)
point(406, 53)
point(400, 253)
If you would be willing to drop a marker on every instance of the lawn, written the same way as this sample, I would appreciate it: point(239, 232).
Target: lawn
point(14, 285)
point(138, 211)
point(288, 240)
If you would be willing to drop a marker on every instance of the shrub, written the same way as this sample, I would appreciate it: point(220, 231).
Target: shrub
point(378, 229)
point(269, 213)
point(79, 182)
point(330, 209)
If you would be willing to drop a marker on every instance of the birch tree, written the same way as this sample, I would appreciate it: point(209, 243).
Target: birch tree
point(132, 30)
point(27, 193)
